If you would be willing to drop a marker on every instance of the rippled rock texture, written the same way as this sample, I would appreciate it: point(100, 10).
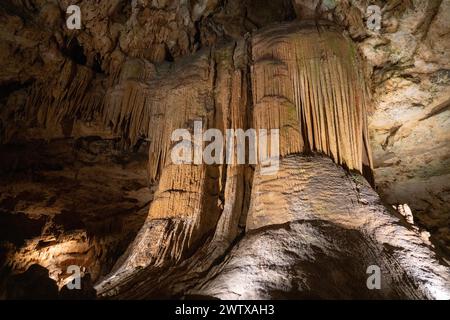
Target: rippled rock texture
point(312, 232)
point(86, 118)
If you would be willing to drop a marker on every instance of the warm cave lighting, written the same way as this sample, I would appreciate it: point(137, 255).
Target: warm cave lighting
point(247, 151)
point(405, 211)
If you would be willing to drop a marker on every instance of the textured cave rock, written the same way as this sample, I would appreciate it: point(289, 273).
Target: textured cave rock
point(70, 202)
point(285, 60)
point(313, 239)
point(86, 119)
point(312, 232)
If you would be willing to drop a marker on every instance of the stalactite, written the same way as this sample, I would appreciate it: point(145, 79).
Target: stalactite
point(149, 103)
point(126, 110)
point(73, 95)
point(235, 111)
point(186, 207)
point(307, 82)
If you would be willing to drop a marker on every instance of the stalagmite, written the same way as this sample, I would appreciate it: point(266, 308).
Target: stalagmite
point(307, 82)
point(186, 207)
point(227, 230)
point(313, 232)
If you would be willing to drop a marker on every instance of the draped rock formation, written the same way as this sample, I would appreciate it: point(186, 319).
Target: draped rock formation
point(189, 198)
point(313, 231)
point(307, 237)
point(307, 81)
point(314, 92)
point(315, 95)
point(86, 143)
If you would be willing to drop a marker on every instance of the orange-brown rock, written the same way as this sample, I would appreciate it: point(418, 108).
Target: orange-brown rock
point(86, 118)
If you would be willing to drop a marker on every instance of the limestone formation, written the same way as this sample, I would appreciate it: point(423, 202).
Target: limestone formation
point(319, 239)
point(86, 123)
point(307, 82)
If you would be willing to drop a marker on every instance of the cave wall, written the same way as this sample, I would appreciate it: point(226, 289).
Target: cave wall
point(129, 50)
point(70, 202)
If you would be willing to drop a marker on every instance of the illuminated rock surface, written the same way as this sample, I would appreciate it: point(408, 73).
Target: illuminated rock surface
point(86, 119)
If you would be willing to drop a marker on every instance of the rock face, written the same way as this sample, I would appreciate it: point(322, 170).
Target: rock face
point(86, 123)
point(313, 231)
point(307, 237)
point(53, 213)
point(285, 72)
point(409, 125)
